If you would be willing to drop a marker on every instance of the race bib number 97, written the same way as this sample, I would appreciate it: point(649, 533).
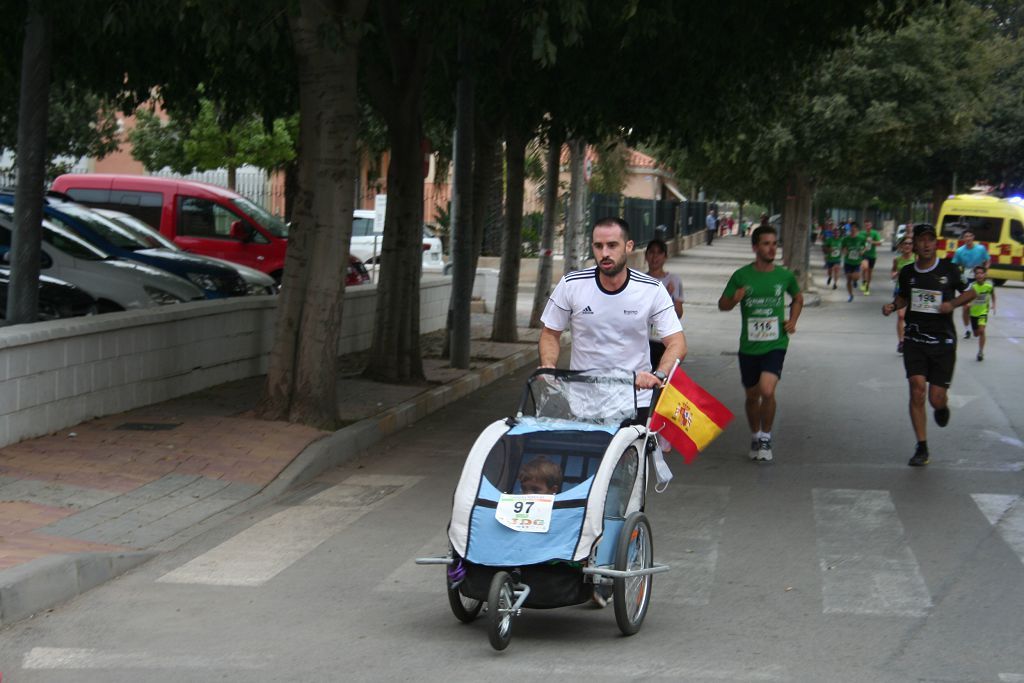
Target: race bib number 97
point(925, 300)
point(762, 329)
point(525, 512)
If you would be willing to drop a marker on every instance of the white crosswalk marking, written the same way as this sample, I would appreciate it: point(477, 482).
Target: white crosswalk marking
point(413, 578)
point(267, 548)
point(1006, 514)
point(1011, 678)
point(691, 549)
point(866, 565)
point(73, 658)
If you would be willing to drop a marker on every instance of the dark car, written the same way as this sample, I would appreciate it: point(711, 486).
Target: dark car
point(216, 281)
point(57, 299)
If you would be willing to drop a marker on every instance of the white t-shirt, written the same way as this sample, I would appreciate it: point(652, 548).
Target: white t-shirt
point(676, 293)
point(609, 329)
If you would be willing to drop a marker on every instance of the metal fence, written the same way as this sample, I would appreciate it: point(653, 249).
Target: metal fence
point(646, 215)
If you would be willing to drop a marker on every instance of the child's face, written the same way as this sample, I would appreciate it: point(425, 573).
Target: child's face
point(979, 275)
point(536, 485)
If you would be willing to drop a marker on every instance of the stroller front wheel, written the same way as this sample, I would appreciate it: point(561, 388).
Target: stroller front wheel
point(635, 550)
point(500, 599)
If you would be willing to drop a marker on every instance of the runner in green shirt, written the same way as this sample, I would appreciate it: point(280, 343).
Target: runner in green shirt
point(833, 248)
point(853, 254)
point(981, 306)
point(871, 240)
point(760, 289)
point(904, 257)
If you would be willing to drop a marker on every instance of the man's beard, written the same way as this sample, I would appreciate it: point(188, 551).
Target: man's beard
point(614, 269)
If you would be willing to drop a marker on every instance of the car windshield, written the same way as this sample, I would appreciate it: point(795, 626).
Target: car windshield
point(140, 230)
point(272, 223)
point(108, 230)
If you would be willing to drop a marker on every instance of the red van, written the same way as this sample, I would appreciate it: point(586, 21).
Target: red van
point(204, 219)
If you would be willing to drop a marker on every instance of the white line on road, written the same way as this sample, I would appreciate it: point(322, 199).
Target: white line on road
point(1011, 678)
point(647, 669)
point(1006, 514)
point(866, 565)
point(41, 658)
point(267, 548)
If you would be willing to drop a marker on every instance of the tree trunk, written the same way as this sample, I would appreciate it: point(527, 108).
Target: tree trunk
point(462, 212)
point(301, 377)
point(940, 191)
point(504, 325)
point(395, 355)
point(574, 221)
point(291, 181)
point(33, 106)
point(547, 233)
point(232, 177)
point(799, 255)
point(488, 192)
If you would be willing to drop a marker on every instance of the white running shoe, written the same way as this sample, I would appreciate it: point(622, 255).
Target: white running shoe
point(754, 449)
point(764, 450)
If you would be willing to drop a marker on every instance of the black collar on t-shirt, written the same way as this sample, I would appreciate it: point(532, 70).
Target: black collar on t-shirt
point(597, 276)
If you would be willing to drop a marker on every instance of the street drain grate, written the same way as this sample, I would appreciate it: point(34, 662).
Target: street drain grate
point(148, 426)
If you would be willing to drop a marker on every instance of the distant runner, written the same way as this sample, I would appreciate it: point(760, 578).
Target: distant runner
point(968, 256)
point(904, 257)
point(853, 254)
point(871, 240)
point(981, 307)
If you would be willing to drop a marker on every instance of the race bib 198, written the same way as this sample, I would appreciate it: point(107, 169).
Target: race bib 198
point(925, 300)
point(762, 329)
point(525, 512)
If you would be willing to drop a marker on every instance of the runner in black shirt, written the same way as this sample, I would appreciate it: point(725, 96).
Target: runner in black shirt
point(931, 288)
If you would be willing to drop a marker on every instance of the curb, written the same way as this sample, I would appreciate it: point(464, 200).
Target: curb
point(48, 581)
point(43, 583)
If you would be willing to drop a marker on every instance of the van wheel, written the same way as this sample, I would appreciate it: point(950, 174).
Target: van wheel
point(999, 282)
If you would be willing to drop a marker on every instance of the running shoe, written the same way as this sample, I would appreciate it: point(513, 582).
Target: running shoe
point(602, 596)
point(764, 450)
point(920, 457)
point(867, 291)
point(850, 299)
point(942, 416)
point(899, 348)
point(834, 286)
point(967, 334)
point(829, 280)
point(981, 356)
point(754, 449)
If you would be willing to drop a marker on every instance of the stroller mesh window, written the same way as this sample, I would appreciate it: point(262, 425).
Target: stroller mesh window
point(576, 454)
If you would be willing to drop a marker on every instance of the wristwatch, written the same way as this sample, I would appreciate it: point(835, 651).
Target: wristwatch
point(660, 375)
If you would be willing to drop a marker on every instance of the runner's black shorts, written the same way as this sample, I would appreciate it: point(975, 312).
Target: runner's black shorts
point(978, 321)
point(934, 362)
point(752, 366)
point(871, 262)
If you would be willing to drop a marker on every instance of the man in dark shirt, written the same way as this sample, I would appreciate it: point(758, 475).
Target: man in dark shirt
point(931, 288)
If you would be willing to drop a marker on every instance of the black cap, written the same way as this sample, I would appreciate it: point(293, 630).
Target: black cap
point(922, 228)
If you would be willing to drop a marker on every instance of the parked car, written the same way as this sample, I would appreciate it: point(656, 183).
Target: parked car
point(215, 279)
point(57, 299)
point(255, 281)
point(367, 244)
point(115, 283)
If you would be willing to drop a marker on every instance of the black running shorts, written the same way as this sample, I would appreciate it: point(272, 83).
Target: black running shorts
point(934, 362)
point(751, 366)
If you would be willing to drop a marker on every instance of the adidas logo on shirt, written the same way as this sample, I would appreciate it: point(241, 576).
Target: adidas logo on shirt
point(586, 311)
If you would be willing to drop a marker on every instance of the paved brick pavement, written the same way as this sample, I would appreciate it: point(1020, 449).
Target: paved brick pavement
point(129, 481)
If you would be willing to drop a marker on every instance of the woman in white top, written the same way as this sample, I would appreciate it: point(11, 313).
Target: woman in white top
point(656, 255)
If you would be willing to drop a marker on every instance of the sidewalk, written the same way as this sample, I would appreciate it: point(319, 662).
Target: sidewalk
point(85, 504)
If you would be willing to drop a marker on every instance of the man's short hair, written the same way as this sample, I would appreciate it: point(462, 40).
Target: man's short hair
point(614, 222)
point(755, 236)
point(658, 245)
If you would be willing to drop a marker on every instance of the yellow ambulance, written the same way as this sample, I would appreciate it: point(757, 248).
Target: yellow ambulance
point(997, 223)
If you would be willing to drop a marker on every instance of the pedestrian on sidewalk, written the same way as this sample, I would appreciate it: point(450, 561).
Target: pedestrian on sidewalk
point(968, 256)
point(656, 256)
point(760, 288)
point(609, 309)
point(981, 307)
point(710, 226)
point(930, 287)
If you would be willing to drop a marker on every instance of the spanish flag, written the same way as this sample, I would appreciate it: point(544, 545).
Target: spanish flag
point(688, 416)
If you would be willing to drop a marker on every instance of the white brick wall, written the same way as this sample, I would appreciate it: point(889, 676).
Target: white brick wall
point(59, 373)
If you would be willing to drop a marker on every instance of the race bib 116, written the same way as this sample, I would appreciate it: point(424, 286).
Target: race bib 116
point(762, 329)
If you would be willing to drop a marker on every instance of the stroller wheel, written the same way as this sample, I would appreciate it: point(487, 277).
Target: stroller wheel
point(500, 599)
point(465, 609)
point(633, 595)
